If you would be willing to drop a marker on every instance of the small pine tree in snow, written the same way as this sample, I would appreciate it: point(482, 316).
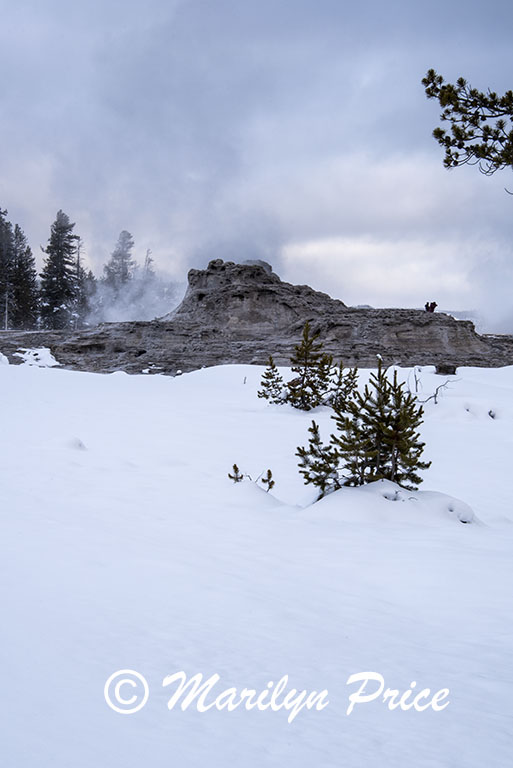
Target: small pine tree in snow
point(321, 375)
point(354, 444)
point(401, 438)
point(268, 480)
point(317, 381)
point(341, 387)
point(377, 434)
point(309, 364)
point(237, 477)
point(272, 384)
point(319, 463)
point(373, 407)
point(377, 438)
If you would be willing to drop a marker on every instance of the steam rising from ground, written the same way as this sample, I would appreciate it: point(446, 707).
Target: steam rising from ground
point(137, 299)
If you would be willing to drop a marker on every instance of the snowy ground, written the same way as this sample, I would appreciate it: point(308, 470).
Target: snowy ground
point(124, 545)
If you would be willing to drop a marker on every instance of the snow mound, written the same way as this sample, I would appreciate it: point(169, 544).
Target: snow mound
point(250, 495)
point(3, 360)
point(77, 444)
point(40, 357)
point(371, 504)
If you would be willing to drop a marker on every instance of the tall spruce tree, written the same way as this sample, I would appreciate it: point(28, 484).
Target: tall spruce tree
point(6, 270)
point(58, 278)
point(88, 288)
point(120, 268)
point(85, 289)
point(148, 270)
point(25, 292)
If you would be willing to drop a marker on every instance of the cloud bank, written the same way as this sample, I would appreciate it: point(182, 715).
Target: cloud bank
point(296, 131)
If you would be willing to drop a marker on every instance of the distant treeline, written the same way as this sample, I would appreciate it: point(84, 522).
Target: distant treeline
point(67, 296)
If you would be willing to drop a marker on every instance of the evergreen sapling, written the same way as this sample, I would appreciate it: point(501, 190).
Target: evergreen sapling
point(307, 361)
point(401, 438)
point(374, 412)
point(353, 443)
point(319, 463)
point(377, 434)
point(237, 476)
point(272, 384)
point(341, 386)
point(268, 481)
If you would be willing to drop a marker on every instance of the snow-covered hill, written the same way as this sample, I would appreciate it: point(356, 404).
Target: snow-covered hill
point(125, 546)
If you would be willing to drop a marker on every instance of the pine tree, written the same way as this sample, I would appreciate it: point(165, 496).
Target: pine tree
point(321, 375)
point(481, 124)
point(272, 385)
point(58, 278)
point(120, 268)
point(319, 463)
point(354, 442)
point(84, 290)
point(140, 290)
point(341, 386)
point(401, 438)
point(237, 476)
point(377, 434)
point(6, 269)
point(90, 287)
point(317, 382)
point(268, 481)
point(304, 391)
point(25, 293)
point(148, 271)
point(374, 410)
point(81, 308)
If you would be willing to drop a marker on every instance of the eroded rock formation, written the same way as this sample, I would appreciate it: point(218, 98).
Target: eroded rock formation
point(241, 313)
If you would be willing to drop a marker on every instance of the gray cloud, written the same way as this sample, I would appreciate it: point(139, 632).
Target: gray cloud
point(276, 129)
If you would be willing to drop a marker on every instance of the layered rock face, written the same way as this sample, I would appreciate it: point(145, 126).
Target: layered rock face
point(242, 313)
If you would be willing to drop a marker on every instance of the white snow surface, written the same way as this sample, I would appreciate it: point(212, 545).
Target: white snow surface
point(40, 357)
point(125, 546)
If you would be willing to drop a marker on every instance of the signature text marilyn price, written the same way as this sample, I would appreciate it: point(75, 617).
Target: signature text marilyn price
point(127, 691)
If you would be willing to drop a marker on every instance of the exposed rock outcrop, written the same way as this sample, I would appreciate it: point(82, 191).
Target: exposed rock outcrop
point(241, 313)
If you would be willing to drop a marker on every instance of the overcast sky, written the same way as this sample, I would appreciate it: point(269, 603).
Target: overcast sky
point(291, 130)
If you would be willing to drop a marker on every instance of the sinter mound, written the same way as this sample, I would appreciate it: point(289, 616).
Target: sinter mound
point(242, 313)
